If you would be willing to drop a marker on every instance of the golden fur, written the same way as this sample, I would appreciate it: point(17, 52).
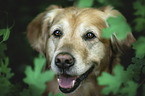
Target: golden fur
point(75, 23)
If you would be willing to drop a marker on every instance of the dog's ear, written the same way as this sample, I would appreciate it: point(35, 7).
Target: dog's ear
point(118, 45)
point(35, 30)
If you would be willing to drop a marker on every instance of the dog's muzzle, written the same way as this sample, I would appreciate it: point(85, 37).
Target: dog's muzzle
point(68, 83)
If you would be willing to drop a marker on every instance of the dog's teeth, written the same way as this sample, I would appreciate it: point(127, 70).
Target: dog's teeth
point(73, 83)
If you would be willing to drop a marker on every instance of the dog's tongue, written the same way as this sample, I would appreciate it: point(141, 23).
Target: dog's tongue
point(66, 81)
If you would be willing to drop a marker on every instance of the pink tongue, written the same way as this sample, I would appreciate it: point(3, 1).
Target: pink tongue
point(66, 82)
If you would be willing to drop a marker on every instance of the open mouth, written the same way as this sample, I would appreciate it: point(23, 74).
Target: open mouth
point(68, 84)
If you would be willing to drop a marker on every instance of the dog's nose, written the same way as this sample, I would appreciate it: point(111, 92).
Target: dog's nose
point(64, 60)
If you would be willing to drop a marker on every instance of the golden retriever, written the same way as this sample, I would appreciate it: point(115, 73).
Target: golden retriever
point(72, 42)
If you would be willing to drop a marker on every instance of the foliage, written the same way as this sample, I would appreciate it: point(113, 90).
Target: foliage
point(58, 94)
point(5, 33)
point(139, 46)
point(3, 48)
point(123, 27)
point(139, 6)
point(36, 79)
point(136, 69)
point(109, 2)
point(126, 78)
point(114, 83)
point(126, 82)
point(5, 71)
point(85, 3)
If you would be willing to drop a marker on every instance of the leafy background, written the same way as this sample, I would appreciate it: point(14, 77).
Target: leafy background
point(20, 65)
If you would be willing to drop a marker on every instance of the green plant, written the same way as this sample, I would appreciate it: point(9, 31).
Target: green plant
point(35, 78)
point(5, 71)
point(115, 82)
point(123, 27)
point(139, 6)
point(124, 82)
point(85, 3)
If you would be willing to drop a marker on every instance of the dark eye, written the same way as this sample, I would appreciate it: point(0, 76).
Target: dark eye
point(57, 33)
point(90, 35)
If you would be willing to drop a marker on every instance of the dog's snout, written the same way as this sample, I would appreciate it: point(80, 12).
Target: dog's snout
point(64, 60)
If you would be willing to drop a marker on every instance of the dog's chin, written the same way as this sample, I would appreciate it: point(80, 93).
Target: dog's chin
point(68, 84)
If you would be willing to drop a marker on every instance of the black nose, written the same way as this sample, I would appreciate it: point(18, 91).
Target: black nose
point(64, 60)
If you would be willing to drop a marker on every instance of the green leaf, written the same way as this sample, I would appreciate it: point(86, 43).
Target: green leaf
point(113, 83)
point(50, 94)
point(25, 92)
point(4, 65)
point(5, 86)
point(109, 2)
point(140, 13)
point(5, 69)
point(129, 89)
point(36, 79)
point(139, 62)
point(59, 94)
point(139, 46)
point(139, 7)
point(140, 23)
point(85, 3)
point(5, 33)
point(135, 69)
point(105, 2)
point(3, 47)
point(117, 26)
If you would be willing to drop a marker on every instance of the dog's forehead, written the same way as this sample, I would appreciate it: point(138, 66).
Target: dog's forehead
point(85, 19)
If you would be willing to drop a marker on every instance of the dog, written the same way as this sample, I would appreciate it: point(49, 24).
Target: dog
point(71, 39)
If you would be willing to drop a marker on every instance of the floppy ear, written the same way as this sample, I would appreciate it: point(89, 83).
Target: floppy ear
point(118, 45)
point(35, 30)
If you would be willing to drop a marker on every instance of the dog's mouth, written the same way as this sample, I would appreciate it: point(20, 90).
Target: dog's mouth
point(68, 84)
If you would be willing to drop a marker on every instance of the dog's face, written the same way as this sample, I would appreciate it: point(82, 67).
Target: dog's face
point(75, 39)
point(72, 41)
point(75, 45)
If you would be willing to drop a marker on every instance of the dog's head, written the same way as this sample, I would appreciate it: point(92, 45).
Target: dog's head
point(71, 38)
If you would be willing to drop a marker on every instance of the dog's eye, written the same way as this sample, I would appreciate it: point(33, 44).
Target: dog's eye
point(57, 33)
point(90, 35)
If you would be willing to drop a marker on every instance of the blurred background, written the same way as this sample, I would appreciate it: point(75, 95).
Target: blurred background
point(19, 13)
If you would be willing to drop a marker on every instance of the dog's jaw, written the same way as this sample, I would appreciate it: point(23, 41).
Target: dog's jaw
point(68, 84)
